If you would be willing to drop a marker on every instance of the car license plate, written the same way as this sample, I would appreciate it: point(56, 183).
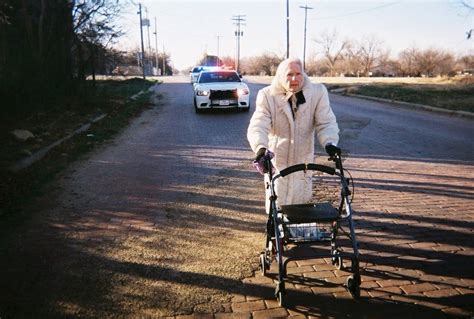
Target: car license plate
point(224, 102)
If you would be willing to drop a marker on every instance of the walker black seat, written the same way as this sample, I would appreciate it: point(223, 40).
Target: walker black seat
point(310, 213)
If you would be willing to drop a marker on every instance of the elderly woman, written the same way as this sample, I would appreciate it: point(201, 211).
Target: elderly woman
point(287, 115)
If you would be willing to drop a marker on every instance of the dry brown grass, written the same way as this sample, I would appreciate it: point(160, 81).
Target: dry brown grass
point(375, 80)
point(452, 93)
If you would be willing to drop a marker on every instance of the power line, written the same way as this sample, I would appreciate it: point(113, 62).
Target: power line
point(358, 12)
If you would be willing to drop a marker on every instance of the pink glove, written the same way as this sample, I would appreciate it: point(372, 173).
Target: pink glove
point(260, 164)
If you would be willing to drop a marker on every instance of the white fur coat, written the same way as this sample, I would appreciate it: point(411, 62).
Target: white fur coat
point(292, 140)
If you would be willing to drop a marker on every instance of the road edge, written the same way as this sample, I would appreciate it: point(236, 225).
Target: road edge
point(412, 105)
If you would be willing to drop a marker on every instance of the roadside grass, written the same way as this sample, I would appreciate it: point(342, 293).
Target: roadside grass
point(446, 96)
point(455, 94)
point(113, 98)
point(452, 93)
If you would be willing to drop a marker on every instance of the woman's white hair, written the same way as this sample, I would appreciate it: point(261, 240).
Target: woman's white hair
point(279, 83)
point(283, 66)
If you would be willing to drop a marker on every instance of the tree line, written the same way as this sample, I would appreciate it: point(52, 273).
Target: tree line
point(49, 47)
point(367, 57)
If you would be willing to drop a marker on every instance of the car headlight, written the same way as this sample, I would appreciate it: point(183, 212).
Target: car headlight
point(241, 92)
point(202, 92)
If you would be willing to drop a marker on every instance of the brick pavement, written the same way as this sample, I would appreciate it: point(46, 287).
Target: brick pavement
point(414, 221)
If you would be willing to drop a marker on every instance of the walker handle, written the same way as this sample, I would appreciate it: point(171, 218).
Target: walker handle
point(307, 167)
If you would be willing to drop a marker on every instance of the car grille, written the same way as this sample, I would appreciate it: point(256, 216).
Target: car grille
point(223, 95)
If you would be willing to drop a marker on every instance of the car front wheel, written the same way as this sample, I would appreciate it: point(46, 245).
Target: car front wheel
point(196, 109)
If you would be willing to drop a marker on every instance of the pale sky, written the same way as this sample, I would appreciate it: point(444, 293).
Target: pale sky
point(187, 29)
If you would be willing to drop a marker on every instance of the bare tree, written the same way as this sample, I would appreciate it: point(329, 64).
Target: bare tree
point(426, 62)
point(407, 59)
point(332, 48)
point(371, 54)
point(352, 63)
point(446, 63)
point(433, 62)
point(94, 30)
point(312, 65)
point(465, 62)
point(265, 64)
point(392, 67)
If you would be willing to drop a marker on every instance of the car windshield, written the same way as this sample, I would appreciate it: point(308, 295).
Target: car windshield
point(219, 77)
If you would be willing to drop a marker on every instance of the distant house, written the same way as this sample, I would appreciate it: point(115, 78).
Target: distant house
point(127, 70)
point(468, 71)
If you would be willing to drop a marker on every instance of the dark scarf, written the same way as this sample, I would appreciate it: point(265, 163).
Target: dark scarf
point(295, 100)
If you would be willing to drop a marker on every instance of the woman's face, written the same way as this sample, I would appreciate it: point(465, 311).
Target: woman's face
point(294, 77)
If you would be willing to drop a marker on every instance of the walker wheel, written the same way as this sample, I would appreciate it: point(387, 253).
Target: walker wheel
point(264, 265)
point(281, 297)
point(338, 263)
point(337, 260)
point(353, 285)
point(280, 294)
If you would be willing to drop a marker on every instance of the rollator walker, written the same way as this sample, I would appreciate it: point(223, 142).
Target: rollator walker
point(292, 226)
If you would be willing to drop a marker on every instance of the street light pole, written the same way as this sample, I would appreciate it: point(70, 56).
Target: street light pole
point(304, 46)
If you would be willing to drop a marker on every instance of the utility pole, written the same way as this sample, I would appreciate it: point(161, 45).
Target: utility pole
point(287, 29)
point(141, 37)
point(164, 60)
point(156, 48)
point(218, 37)
point(238, 19)
point(304, 46)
